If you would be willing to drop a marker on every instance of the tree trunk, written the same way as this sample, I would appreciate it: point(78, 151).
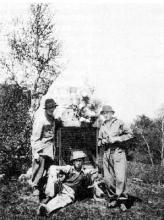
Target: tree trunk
point(148, 149)
point(162, 148)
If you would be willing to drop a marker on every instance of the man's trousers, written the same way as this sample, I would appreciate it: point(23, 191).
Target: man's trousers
point(65, 197)
point(115, 171)
point(38, 168)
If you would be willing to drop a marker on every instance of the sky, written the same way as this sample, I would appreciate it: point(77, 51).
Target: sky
point(115, 46)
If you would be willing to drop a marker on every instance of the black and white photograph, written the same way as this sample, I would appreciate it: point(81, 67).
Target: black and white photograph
point(82, 109)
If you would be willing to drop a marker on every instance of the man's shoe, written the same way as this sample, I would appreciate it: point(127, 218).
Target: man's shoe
point(42, 211)
point(123, 207)
point(112, 204)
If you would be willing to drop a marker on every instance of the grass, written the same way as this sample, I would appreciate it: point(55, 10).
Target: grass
point(17, 202)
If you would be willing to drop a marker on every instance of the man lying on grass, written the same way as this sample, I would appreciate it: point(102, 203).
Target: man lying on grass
point(61, 193)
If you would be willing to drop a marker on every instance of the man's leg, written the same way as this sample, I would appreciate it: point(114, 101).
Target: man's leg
point(61, 200)
point(52, 182)
point(38, 170)
point(109, 175)
point(120, 168)
point(35, 167)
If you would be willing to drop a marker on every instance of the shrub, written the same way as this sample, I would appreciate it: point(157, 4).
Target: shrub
point(148, 132)
point(15, 130)
point(146, 172)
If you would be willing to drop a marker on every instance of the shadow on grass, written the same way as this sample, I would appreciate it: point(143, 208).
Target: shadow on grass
point(131, 201)
point(84, 202)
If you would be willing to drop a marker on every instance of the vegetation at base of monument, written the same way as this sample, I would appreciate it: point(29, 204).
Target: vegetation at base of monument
point(15, 130)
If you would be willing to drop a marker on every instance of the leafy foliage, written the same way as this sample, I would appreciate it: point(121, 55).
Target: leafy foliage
point(15, 129)
point(35, 46)
point(148, 132)
point(33, 52)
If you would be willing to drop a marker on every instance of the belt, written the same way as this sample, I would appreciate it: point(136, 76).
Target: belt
point(112, 147)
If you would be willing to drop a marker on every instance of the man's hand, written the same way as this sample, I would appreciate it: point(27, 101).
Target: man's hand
point(36, 156)
point(103, 142)
point(114, 139)
point(61, 177)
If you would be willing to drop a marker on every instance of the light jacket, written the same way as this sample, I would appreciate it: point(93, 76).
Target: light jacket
point(42, 139)
point(112, 131)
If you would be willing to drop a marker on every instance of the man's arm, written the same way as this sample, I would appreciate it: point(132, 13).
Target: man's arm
point(90, 176)
point(36, 143)
point(103, 138)
point(127, 133)
point(64, 169)
point(53, 177)
point(54, 170)
point(124, 135)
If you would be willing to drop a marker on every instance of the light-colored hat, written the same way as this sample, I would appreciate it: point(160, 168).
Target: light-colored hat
point(77, 155)
point(107, 108)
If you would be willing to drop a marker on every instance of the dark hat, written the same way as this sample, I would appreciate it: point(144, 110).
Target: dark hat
point(107, 108)
point(50, 103)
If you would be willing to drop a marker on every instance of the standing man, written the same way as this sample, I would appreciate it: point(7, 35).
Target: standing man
point(112, 138)
point(42, 142)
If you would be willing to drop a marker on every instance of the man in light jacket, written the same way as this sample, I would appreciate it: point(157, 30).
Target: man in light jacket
point(113, 135)
point(42, 142)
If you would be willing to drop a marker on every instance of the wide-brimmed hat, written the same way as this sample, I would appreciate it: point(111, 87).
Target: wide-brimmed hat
point(50, 103)
point(107, 108)
point(77, 155)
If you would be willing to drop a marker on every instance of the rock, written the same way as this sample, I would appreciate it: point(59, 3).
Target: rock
point(137, 180)
point(2, 176)
point(26, 177)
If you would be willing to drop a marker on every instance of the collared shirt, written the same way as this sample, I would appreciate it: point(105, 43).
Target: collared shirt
point(114, 130)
